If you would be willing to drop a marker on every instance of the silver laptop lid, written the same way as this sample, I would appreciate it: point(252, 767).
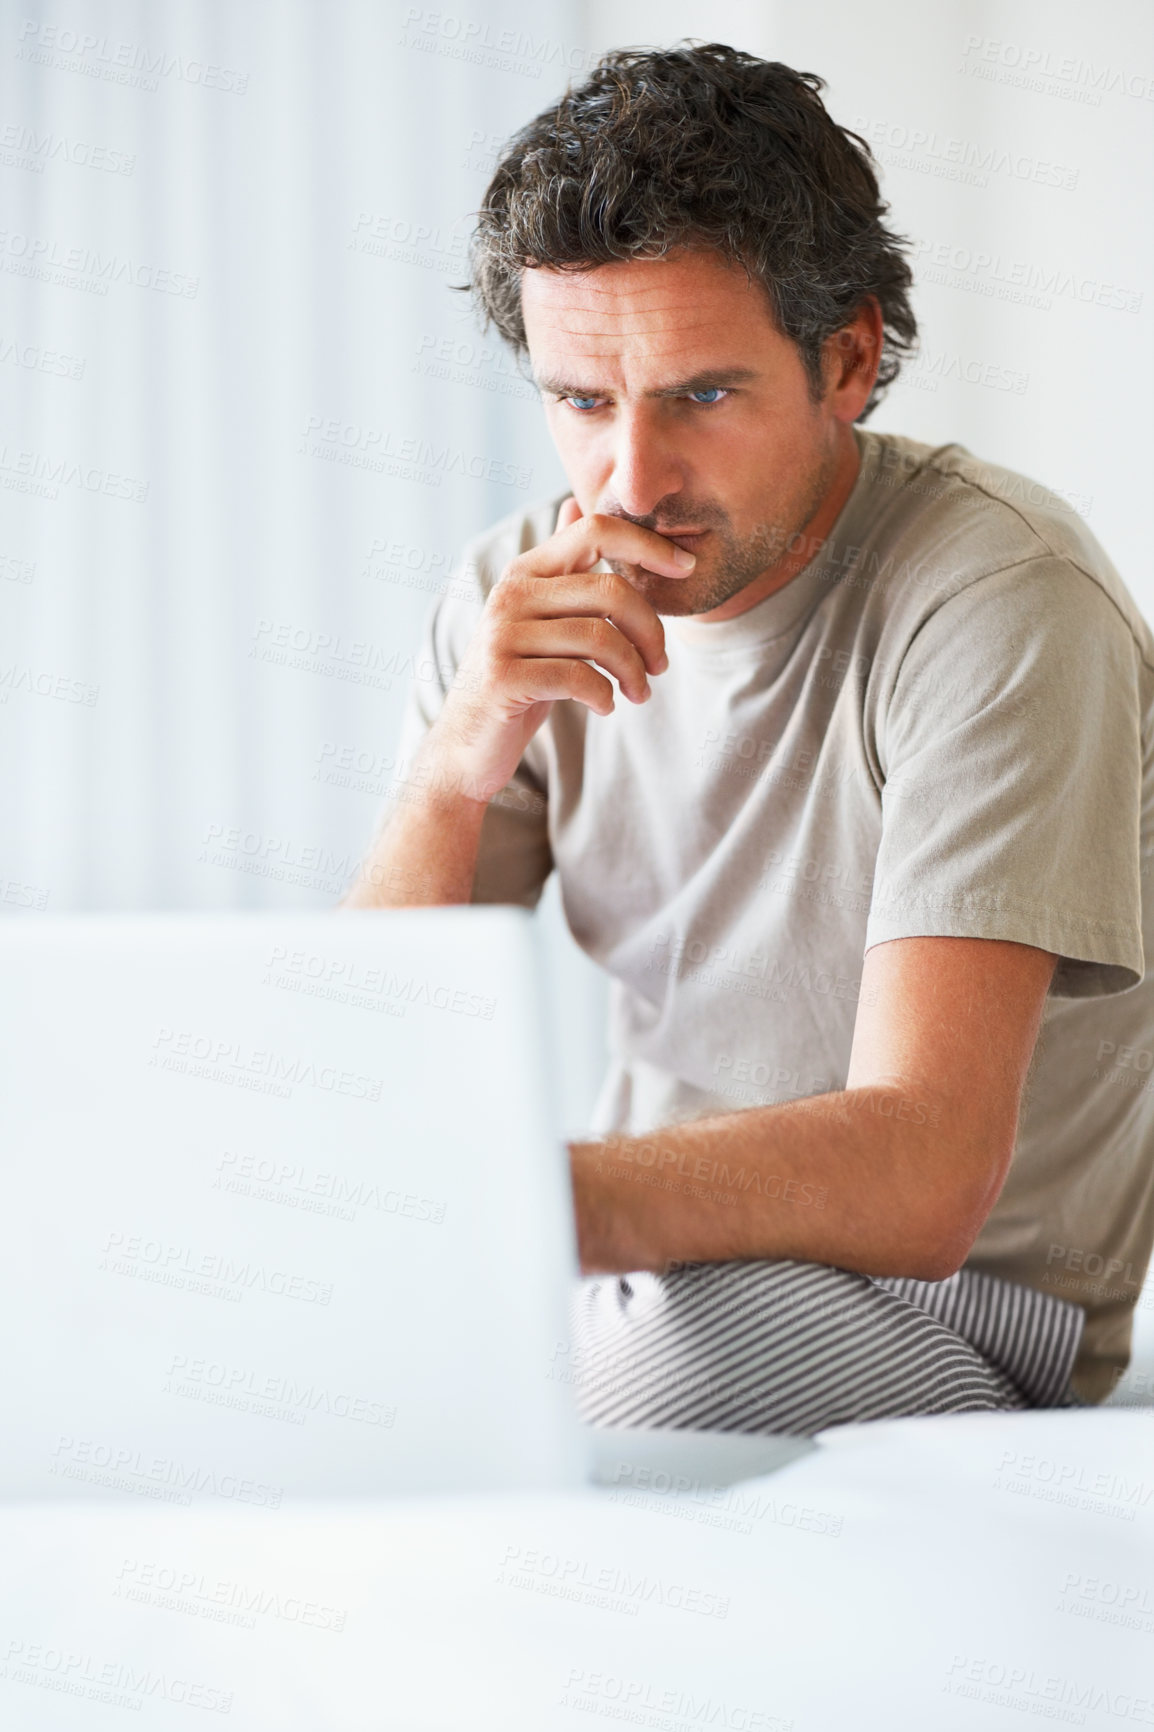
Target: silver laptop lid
point(286, 1208)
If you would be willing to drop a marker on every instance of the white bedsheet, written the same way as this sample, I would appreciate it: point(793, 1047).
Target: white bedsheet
point(929, 1574)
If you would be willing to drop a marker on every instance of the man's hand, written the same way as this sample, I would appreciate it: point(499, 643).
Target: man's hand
point(545, 623)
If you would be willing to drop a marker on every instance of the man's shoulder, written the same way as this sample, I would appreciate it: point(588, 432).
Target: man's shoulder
point(1004, 511)
point(957, 518)
point(487, 554)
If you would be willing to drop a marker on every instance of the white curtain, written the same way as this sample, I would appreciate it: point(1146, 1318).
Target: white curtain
point(273, 423)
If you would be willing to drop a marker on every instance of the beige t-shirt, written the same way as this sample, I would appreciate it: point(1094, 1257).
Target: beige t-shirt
point(944, 724)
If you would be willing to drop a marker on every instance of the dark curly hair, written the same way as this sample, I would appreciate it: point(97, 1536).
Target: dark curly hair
point(699, 145)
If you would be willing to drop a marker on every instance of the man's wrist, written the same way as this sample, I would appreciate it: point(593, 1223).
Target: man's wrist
point(445, 785)
point(609, 1222)
point(426, 853)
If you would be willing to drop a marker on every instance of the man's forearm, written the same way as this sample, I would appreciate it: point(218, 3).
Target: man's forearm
point(861, 1178)
point(426, 855)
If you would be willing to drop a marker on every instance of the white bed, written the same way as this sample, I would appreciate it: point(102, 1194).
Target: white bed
point(934, 1575)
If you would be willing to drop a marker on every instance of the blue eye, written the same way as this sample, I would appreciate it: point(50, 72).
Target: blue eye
point(585, 403)
point(711, 394)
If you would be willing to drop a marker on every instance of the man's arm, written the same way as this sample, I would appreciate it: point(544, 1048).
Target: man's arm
point(892, 1175)
point(425, 856)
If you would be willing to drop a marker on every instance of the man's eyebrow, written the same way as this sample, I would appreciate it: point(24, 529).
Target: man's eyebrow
point(723, 377)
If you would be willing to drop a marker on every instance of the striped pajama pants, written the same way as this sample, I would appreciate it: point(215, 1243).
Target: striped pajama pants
point(794, 1347)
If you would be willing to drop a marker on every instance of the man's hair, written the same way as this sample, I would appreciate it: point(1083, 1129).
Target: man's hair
point(700, 147)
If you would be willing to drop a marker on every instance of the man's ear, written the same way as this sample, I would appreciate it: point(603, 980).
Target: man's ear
point(851, 357)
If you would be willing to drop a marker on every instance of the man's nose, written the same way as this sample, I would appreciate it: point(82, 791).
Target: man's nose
point(645, 470)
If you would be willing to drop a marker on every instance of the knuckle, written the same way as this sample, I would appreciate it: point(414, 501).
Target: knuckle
point(596, 632)
point(493, 644)
point(500, 602)
point(508, 584)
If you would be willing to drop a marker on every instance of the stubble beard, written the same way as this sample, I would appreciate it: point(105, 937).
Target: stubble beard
point(732, 561)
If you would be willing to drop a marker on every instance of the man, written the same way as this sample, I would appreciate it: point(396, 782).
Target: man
point(860, 835)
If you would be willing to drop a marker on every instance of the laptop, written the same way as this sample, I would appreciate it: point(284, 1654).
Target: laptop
point(287, 1215)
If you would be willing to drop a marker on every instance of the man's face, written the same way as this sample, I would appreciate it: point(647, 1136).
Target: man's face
point(675, 401)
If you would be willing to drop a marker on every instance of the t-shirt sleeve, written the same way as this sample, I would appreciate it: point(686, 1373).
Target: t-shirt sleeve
point(514, 858)
point(1011, 750)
